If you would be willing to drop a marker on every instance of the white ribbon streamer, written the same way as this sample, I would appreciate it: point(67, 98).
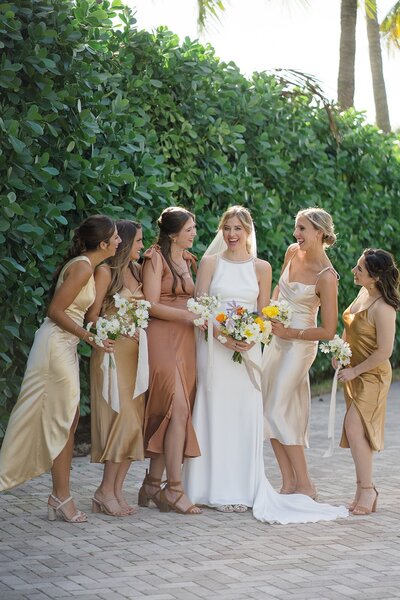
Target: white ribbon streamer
point(250, 368)
point(110, 381)
point(210, 352)
point(332, 414)
point(142, 373)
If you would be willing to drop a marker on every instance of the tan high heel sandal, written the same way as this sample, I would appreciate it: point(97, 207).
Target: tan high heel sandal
point(57, 511)
point(360, 510)
point(145, 496)
point(166, 505)
point(100, 506)
point(354, 503)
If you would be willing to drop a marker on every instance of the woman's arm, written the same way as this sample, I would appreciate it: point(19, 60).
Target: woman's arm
point(102, 278)
point(264, 277)
point(385, 322)
point(152, 276)
point(205, 274)
point(327, 289)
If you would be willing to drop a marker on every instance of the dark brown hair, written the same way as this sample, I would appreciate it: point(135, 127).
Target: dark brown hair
point(127, 232)
point(382, 267)
point(170, 223)
point(87, 236)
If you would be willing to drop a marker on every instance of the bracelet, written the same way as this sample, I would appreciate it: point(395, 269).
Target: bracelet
point(300, 334)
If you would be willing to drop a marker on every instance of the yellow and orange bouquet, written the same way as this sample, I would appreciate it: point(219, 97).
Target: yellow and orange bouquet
point(278, 310)
point(242, 325)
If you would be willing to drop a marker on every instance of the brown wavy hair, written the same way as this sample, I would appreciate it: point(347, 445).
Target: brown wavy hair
point(127, 232)
point(170, 223)
point(381, 265)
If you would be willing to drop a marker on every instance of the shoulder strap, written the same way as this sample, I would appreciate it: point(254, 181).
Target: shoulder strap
point(331, 269)
point(372, 303)
point(70, 262)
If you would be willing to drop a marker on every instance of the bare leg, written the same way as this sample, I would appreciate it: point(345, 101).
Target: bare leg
point(298, 461)
point(105, 493)
point(288, 474)
point(60, 473)
point(362, 456)
point(175, 441)
point(118, 484)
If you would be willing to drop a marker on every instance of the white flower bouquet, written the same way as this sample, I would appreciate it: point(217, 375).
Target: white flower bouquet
point(279, 310)
point(338, 348)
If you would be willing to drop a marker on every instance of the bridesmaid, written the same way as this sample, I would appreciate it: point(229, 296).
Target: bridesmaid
point(40, 433)
point(168, 431)
point(308, 281)
point(369, 328)
point(117, 437)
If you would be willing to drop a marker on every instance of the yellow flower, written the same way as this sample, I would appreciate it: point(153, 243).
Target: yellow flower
point(260, 322)
point(270, 311)
point(221, 317)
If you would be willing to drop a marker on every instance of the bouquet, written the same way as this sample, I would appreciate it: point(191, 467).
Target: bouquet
point(205, 307)
point(132, 314)
point(105, 329)
point(338, 348)
point(244, 326)
point(279, 310)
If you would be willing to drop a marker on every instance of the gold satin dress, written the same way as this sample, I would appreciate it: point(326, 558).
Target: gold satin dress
point(41, 420)
point(117, 436)
point(368, 392)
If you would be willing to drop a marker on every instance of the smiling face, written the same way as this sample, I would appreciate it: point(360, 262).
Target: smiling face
point(235, 235)
point(307, 236)
point(184, 239)
point(137, 244)
point(361, 275)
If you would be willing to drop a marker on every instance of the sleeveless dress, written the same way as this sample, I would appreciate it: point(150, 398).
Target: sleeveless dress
point(41, 420)
point(117, 436)
point(368, 392)
point(171, 347)
point(286, 364)
point(228, 419)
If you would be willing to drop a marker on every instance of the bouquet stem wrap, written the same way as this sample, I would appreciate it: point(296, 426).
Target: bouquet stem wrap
point(332, 414)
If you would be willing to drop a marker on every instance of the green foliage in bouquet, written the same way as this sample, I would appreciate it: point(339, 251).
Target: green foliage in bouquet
point(95, 118)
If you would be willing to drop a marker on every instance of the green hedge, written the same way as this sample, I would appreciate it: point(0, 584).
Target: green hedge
point(125, 122)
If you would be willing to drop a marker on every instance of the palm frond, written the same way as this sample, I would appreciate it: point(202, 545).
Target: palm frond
point(207, 9)
point(390, 27)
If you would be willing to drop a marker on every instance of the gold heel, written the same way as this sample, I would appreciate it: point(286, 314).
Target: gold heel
point(354, 503)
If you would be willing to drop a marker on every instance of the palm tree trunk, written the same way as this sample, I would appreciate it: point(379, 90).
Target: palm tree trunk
point(348, 21)
point(375, 59)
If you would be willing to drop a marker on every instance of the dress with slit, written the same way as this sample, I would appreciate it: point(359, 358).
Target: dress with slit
point(286, 365)
point(172, 351)
point(228, 420)
point(42, 417)
point(368, 392)
point(117, 436)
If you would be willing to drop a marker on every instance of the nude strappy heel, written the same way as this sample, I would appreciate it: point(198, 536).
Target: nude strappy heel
point(360, 510)
point(166, 505)
point(57, 511)
point(145, 496)
point(354, 503)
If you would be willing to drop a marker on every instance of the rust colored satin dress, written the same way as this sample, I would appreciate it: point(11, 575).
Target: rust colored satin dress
point(171, 347)
point(117, 436)
point(368, 392)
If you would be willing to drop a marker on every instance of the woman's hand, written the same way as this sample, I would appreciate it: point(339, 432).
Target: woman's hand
point(347, 374)
point(237, 346)
point(280, 331)
point(108, 345)
point(334, 363)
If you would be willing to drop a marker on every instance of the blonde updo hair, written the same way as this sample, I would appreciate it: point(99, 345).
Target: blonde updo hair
point(321, 220)
point(244, 216)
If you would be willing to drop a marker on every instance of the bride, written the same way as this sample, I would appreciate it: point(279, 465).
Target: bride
point(227, 416)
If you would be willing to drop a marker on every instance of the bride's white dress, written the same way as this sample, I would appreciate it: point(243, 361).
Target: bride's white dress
point(228, 420)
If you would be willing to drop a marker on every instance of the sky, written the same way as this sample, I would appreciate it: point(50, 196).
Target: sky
point(266, 34)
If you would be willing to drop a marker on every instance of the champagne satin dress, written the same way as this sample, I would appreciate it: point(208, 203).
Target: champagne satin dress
point(117, 436)
point(41, 420)
point(286, 364)
point(368, 392)
point(171, 350)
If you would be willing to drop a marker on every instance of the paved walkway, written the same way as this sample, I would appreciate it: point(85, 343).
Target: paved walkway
point(213, 556)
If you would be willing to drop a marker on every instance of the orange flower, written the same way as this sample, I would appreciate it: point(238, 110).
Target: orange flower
point(240, 310)
point(221, 317)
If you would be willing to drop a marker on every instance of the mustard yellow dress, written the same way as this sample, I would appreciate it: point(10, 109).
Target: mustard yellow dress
point(41, 420)
point(117, 436)
point(368, 392)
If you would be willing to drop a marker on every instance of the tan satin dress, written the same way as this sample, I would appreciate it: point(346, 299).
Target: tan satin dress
point(117, 436)
point(285, 367)
point(369, 390)
point(41, 420)
point(171, 350)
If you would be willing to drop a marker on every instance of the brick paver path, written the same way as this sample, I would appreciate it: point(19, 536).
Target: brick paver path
point(223, 556)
